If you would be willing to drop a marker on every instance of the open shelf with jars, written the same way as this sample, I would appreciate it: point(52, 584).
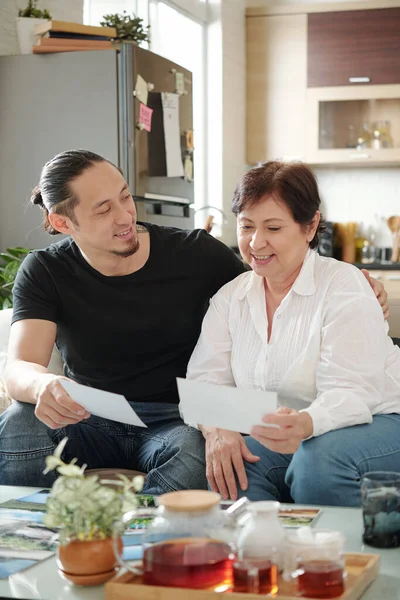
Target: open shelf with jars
point(356, 125)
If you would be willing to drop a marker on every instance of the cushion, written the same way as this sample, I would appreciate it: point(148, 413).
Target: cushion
point(55, 365)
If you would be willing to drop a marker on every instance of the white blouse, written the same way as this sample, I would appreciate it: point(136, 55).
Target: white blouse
point(328, 353)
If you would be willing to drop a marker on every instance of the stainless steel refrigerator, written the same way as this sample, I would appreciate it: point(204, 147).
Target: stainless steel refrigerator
point(50, 103)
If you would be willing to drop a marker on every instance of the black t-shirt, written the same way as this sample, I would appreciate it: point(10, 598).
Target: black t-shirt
point(130, 334)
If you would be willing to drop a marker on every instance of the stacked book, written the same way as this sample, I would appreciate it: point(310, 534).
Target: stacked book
point(63, 36)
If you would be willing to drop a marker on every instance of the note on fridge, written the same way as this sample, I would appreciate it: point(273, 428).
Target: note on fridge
point(172, 134)
point(102, 404)
point(141, 89)
point(236, 409)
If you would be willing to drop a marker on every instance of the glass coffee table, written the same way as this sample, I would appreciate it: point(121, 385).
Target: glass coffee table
point(44, 582)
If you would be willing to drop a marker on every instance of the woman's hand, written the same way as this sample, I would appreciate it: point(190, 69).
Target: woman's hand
point(294, 427)
point(225, 452)
point(379, 292)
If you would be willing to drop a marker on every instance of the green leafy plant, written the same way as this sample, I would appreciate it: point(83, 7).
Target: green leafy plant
point(84, 508)
point(128, 27)
point(33, 12)
point(10, 261)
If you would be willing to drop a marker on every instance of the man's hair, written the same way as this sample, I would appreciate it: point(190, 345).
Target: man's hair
point(53, 193)
point(292, 184)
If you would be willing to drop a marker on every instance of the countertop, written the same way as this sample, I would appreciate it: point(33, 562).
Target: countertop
point(370, 267)
point(379, 266)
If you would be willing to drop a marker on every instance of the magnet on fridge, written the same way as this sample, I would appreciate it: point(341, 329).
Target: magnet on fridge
point(189, 139)
point(179, 83)
point(141, 91)
point(188, 168)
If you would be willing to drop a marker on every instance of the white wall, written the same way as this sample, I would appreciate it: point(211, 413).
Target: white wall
point(233, 107)
point(226, 147)
point(63, 10)
point(359, 194)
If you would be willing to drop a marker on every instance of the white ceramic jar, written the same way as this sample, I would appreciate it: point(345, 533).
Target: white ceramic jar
point(262, 533)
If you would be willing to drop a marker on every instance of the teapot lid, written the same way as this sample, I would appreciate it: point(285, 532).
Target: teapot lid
point(189, 500)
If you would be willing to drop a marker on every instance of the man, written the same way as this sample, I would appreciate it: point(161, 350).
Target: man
point(124, 302)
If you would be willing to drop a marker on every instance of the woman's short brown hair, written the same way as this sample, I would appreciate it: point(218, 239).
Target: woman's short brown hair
point(293, 184)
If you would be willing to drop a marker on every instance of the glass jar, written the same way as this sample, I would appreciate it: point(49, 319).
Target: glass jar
point(259, 550)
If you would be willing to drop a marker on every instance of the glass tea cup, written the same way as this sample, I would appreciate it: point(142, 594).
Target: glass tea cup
point(314, 559)
point(380, 495)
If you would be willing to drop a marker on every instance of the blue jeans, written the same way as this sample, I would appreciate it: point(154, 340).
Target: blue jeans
point(327, 469)
point(170, 452)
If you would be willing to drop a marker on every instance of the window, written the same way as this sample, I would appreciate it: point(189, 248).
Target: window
point(94, 10)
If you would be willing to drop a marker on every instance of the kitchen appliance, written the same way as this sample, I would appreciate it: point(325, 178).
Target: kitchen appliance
point(325, 247)
point(54, 102)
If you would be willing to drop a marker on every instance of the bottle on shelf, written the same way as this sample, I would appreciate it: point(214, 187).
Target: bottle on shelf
point(368, 250)
point(360, 241)
point(351, 137)
point(365, 137)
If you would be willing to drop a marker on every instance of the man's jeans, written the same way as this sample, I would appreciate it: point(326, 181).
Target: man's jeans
point(327, 469)
point(170, 452)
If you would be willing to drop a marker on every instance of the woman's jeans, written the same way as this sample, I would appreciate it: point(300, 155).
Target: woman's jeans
point(170, 452)
point(327, 469)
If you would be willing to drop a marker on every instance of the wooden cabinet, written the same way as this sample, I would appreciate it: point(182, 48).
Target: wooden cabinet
point(332, 111)
point(276, 87)
point(391, 282)
point(300, 102)
point(353, 47)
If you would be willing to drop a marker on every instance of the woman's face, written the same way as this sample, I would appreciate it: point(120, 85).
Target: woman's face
point(270, 241)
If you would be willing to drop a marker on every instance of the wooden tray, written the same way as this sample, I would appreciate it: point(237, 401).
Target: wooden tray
point(361, 569)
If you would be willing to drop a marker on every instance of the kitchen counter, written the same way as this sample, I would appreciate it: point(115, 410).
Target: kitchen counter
point(379, 266)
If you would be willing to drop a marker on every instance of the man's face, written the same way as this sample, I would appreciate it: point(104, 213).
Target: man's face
point(105, 215)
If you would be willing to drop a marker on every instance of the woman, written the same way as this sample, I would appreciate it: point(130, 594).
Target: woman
point(309, 328)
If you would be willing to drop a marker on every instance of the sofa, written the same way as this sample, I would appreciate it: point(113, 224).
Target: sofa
point(55, 365)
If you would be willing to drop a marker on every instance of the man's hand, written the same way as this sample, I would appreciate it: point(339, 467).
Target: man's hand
point(54, 407)
point(294, 427)
point(225, 451)
point(379, 292)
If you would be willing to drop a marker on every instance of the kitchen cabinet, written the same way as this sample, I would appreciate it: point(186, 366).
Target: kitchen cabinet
point(353, 47)
point(345, 125)
point(276, 87)
point(321, 123)
point(391, 281)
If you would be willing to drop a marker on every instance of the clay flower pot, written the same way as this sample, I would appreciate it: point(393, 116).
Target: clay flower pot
point(88, 563)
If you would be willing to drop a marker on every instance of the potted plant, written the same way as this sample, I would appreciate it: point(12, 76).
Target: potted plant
point(10, 261)
point(27, 20)
point(87, 511)
point(129, 28)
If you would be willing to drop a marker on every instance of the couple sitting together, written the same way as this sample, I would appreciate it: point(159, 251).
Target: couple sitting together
point(125, 303)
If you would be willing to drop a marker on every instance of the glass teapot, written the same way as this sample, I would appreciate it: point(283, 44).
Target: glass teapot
point(193, 543)
point(190, 542)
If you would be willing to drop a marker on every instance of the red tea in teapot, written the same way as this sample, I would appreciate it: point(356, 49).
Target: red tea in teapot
point(189, 563)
